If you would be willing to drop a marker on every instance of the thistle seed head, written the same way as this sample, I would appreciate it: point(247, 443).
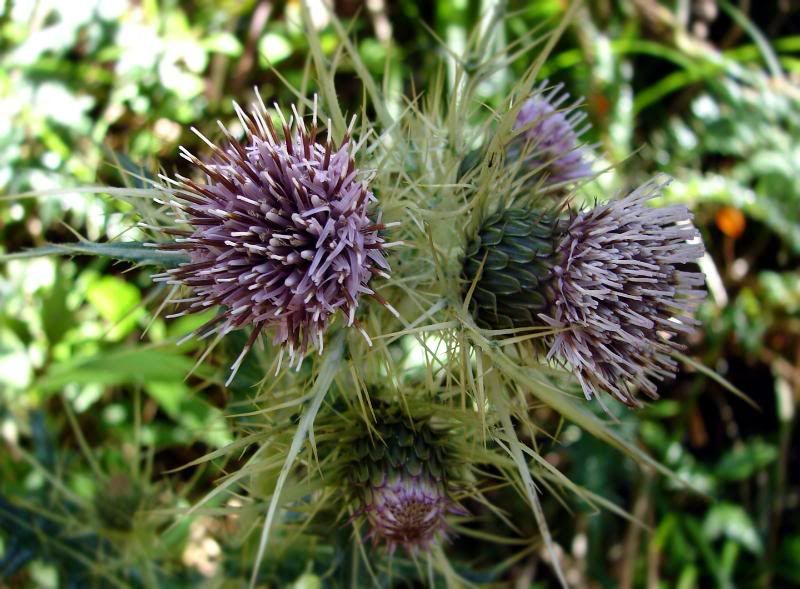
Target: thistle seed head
point(622, 293)
point(280, 236)
point(551, 132)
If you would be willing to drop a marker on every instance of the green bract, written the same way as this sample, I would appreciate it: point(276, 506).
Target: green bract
point(509, 263)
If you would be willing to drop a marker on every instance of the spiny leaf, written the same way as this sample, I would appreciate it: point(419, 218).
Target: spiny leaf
point(323, 382)
point(515, 451)
point(129, 251)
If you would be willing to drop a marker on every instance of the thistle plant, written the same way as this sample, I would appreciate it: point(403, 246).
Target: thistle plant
point(624, 293)
point(545, 149)
point(549, 139)
point(512, 258)
point(283, 233)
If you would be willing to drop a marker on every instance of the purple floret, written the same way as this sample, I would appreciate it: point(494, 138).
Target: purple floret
point(624, 292)
point(408, 511)
point(552, 133)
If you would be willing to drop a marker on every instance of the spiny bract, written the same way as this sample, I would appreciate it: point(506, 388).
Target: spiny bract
point(512, 253)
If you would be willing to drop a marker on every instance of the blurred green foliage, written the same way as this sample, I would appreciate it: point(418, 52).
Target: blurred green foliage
point(93, 390)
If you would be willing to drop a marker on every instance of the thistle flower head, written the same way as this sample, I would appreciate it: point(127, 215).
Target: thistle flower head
point(280, 233)
point(610, 281)
point(406, 510)
point(401, 485)
point(552, 132)
point(621, 295)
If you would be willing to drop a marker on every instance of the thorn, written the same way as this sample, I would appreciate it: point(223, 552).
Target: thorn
point(366, 337)
point(352, 125)
point(314, 112)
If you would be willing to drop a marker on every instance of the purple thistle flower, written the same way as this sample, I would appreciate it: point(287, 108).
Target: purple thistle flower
point(408, 511)
point(399, 480)
point(612, 282)
point(621, 296)
point(552, 136)
point(280, 236)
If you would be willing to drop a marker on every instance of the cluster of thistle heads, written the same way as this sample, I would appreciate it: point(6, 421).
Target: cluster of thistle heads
point(284, 237)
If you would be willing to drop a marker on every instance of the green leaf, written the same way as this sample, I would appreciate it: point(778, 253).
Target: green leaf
point(56, 317)
point(198, 419)
point(274, 48)
point(18, 327)
point(129, 251)
point(116, 301)
point(745, 460)
point(790, 558)
point(732, 521)
point(224, 43)
point(688, 578)
point(169, 396)
point(124, 366)
point(205, 422)
point(134, 175)
point(764, 46)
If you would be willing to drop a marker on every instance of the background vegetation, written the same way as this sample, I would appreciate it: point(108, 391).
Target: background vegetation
point(95, 410)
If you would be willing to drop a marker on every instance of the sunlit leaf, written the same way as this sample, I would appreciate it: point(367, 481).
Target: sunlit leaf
point(732, 521)
point(116, 301)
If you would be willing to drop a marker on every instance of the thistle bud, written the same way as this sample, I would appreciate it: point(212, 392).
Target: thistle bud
point(118, 503)
point(400, 483)
point(550, 136)
point(612, 282)
point(279, 233)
